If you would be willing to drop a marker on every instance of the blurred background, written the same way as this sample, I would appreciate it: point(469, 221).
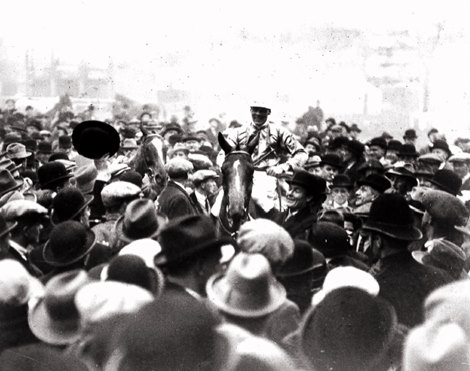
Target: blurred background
point(383, 65)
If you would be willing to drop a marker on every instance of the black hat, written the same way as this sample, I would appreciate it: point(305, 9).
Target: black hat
point(448, 181)
point(68, 203)
point(394, 145)
point(387, 135)
point(355, 128)
point(376, 181)
point(185, 237)
point(304, 259)
point(52, 172)
point(330, 239)
point(44, 147)
point(332, 159)
point(410, 134)
point(68, 243)
point(379, 142)
point(432, 131)
point(441, 144)
point(403, 172)
point(342, 180)
point(133, 177)
point(391, 216)
point(7, 182)
point(314, 185)
point(58, 156)
point(94, 139)
point(408, 150)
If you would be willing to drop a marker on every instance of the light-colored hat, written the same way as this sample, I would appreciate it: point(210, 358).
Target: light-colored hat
point(177, 147)
point(202, 175)
point(116, 192)
point(460, 157)
point(54, 319)
point(248, 289)
point(436, 346)
point(17, 286)
point(18, 208)
point(347, 277)
point(117, 169)
point(85, 177)
point(265, 237)
point(129, 143)
point(98, 301)
point(69, 165)
point(17, 151)
point(145, 248)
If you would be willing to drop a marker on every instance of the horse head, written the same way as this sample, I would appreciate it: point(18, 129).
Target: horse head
point(237, 177)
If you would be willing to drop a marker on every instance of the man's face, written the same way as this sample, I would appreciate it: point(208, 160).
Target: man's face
point(460, 168)
point(340, 195)
point(181, 154)
point(210, 187)
point(192, 145)
point(310, 148)
point(329, 172)
point(32, 232)
point(364, 194)
point(146, 118)
point(296, 197)
point(409, 141)
point(400, 184)
point(376, 152)
point(440, 152)
point(260, 115)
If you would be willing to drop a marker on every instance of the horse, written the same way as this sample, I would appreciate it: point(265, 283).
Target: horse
point(237, 183)
point(147, 161)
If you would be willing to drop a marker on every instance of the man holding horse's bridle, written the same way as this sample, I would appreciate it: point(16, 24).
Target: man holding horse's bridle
point(270, 143)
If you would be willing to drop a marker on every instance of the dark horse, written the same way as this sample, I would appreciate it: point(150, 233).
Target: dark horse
point(237, 182)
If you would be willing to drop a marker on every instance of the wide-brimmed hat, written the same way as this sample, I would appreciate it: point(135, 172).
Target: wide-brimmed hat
point(129, 143)
point(448, 181)
point(404, 173)
point(348, 327)
point(391, 216)
point(52, 172)
point(376, 181)
point(187, 236)
point(378, 142)
point(171, 126)
point(140, 220)
point(332, 159)
point(342, 180)
point(8, 183)
point(94, 139)
point(431, 158)
point(353, 145)
point(68, 203)
point(55, 319)
point(441, 144)
point(248, 289)
point(68, 242)
point(85, 177)
point(314, 185)
point(17, 151)
point(408, 150)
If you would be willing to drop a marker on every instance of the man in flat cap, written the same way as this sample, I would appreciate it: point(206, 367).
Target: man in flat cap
point(205, 189)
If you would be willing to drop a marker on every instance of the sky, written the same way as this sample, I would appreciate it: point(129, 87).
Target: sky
point(213, 47)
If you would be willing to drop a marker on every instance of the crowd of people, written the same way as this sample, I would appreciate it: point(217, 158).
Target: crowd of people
point(354, 255)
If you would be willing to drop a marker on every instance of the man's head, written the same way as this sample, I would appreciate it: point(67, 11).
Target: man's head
point(145, 117)
point(259, 114)
point(330, 166)
point(370, 188)
point(461, 164)
point(433, 134)
point(377, 148)
point(304, 188)
point(192, 143)
point(341, 189)
point(178, 168)
point(205, 182)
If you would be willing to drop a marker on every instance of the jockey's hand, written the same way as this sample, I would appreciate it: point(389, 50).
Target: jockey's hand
point(277, 170)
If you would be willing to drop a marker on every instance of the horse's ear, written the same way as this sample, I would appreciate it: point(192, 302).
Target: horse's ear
point(224, 144)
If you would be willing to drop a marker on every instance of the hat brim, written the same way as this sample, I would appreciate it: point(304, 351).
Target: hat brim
point(395, 231)
point(84, 149)
point(445, 188)
point(19, 184)
point(50, 331)
point(66, 176)
point(88, 199)
point(412, 178)
point(51, 259)
point(24, 155)
point(303, 186)
point(337, 166)
point(121, 235)
point(162, 259)
point(218, 289)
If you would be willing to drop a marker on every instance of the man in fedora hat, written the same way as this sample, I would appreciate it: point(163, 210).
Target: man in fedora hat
point(410, 136)
point(43, 152)
point(352, 154)
point(448, 181)
point(115, 196)
point(403, 282)
point(247, 294)
point(191, 251)
point(10, 188)
point(174, 200)
point(461, 166)
point(18, 154)
point(403, 180)
point(377, 148)
point(330, 166)
point(341, 189)
point(53, 176)
point(29, 217)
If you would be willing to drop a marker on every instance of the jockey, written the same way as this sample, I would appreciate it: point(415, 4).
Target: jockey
point(271, 142)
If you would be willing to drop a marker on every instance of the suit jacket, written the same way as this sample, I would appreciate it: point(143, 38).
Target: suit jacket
point(405, 284)
point(196, 204)
point(298, 225)
point(175, 202)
